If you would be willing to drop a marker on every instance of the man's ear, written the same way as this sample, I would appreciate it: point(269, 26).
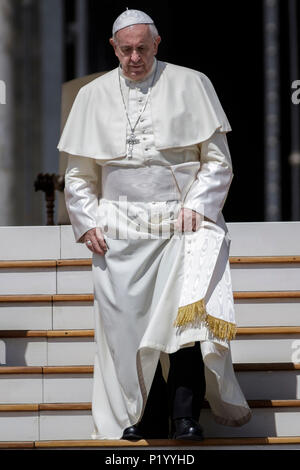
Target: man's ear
point(112, 42)
point(156, 44)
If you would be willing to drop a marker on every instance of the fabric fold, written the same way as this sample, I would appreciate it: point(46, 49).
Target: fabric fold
point(160, 279)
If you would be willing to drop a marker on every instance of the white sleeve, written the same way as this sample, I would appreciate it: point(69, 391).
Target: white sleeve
point(208, 192)
point(81, 194)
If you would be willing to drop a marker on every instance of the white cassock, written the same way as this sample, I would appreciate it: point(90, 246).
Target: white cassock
point(156, 289)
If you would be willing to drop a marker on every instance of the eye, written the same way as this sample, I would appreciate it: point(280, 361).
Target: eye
point(126, 50)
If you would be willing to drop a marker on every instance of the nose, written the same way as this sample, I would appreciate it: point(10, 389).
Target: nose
point(135, 57)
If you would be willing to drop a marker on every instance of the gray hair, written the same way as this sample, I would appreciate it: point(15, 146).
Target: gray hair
point(153, 31)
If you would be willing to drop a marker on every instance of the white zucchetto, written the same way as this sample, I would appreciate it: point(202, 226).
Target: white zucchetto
point(129, 18)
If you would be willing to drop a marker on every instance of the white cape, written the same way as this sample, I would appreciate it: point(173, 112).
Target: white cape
point(96, 126)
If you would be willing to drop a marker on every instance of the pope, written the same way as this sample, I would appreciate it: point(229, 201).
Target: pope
point(153, 134)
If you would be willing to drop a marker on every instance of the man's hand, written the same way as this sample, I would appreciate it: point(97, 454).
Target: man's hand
point(188, 220)
point(98, 244)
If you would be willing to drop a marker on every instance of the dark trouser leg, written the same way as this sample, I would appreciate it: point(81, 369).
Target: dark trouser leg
point(186, 383)
point(184, 393)
point(155, 420)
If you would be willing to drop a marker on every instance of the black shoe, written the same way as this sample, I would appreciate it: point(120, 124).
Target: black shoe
point(132, 433)
point(187, 428)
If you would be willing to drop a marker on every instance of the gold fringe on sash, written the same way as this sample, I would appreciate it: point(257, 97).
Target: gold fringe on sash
point(196, 312)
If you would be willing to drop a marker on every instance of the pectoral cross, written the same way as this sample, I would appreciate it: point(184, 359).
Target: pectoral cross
point(132, 140)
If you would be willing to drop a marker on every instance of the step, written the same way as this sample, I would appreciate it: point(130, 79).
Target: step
point(75, 276)
point(30, 243)
point(51, 347)
point(75, 383)
point(75, 311)
point(282, 346)
point(270, 276)
point(74, 421)
point(247, 238)
point(46, 384)
point(77, 347)
point(270, 443)
point(42, 279)
point(264, 238)
point(45, 312)
point(267, 311)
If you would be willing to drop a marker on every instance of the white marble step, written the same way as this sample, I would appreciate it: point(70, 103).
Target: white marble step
point(78, 424)
point(247, 239)
point(267, 312)
point(35, 351)
point(272, 384)
point(30, 243)
point(46, 388)
point(264, 422)
point(264, 238)
point(80, 315)
point(44, 351)
point(47, 316)
point(78, 279)
point(266, 348)
point(53, 242)
point(265, 277)
point(28, 281)
point(75, 388)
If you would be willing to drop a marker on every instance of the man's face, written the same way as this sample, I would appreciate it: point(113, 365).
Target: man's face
point(135, 48)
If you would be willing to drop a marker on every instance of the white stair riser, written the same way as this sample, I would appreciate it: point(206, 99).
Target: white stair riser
point(270, 385)
point(264, 238)
point(247, 239)
point(74, 351)
point(259, 277)
point(66, 425)
point(54, 388)
point(81, 351)
point(266, 348)
point(46, 351)
point(80, 315)
point(45, 316)
point(23, 351)
point(21, 388)
point(27, 281)
point(30, 243)
point(19, 426)
point(74, 388)
point(266, 312)
point(70, 249)
point(264, 422)
point(265, 277)
point(78, 424)
point(73, 316)
point(74, 280)
point(78, 279)
point(26, 315)
point(48, 388)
